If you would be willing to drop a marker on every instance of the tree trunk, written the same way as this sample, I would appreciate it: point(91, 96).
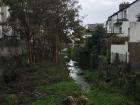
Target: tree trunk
point(29, 51)
point(56, 55)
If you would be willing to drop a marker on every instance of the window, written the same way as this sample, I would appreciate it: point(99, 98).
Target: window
point(113, 29)
point(125, 15)
point(120, 30)
point(129, 32)
point(139, 19)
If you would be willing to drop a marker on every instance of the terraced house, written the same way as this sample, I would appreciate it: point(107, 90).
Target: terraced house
point(125, 24)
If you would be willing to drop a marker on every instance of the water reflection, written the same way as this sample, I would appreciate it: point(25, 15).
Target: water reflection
point(75, 74)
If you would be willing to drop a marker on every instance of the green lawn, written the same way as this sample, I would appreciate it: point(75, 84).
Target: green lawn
point(99, 96)
point(57, 93)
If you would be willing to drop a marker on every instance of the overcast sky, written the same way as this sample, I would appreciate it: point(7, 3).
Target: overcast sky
point(97, 11)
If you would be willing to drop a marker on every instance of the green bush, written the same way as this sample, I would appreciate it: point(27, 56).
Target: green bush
point(90, 75)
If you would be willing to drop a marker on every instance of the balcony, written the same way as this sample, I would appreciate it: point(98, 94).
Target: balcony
point(117, 39)
point(120, 21)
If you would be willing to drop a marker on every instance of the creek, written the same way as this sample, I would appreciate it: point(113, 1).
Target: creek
point(75, 72)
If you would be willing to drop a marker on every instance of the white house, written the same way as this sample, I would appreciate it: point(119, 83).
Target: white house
point(0, 22)
point(92, 27)
point(5, 29)
point(121, 51)
point(134, 32)
point(5, 13)
point(119, 22)
point(124, 23)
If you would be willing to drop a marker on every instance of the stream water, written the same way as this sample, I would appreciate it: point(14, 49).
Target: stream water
point(75, 73)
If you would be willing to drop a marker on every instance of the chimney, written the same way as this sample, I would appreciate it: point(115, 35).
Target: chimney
point(123, 5)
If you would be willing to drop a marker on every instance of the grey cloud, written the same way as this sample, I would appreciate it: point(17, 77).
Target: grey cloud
point(97, 11)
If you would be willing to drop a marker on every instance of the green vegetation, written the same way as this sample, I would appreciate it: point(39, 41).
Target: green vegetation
point(102, 93)
point(27, 80)
point(45, 32)
point(98, 96)
point(64, 88)
point(73, 53)
point(48, 73)
point(9, 99)
point(57, 93)
point(90, 76)
point(45, 27)
point(40, 78)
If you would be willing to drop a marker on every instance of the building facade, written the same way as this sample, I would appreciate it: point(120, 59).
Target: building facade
point(124, 23)
point(119, 22)
point(6, 31)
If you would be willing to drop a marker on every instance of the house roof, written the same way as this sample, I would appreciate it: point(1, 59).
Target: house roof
point(92, 27)
point(123, 9)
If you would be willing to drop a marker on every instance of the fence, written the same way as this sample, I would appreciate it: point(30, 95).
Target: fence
point(133, 60)
point(116, 57)
point(10, 48)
